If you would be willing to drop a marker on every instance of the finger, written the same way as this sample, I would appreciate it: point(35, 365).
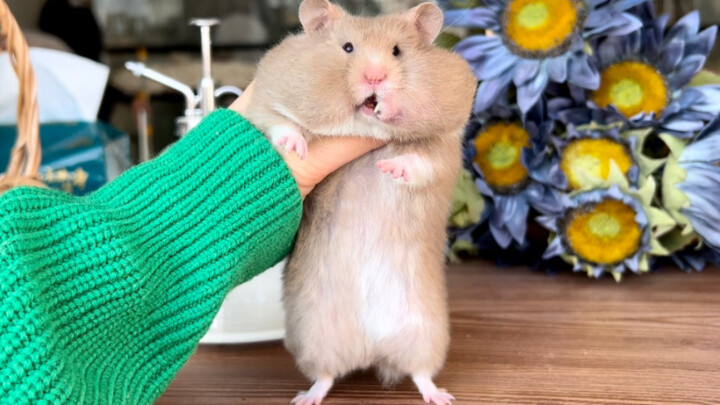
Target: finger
point(241, 104)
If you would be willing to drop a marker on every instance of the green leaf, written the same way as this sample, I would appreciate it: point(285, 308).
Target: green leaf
point(676, 145)
point(682, 221)
point(705, 77)
point(660, 221)
point(447, 40)
point(647, 191)
point(644, 264)
point(656, 249)
point(468, 204)
point(673, 198)
point(616, 176)
point(461, 247)
point(676, 240)
point(648, 166)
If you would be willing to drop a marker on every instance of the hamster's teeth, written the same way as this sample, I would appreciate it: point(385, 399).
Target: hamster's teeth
point(377, 111)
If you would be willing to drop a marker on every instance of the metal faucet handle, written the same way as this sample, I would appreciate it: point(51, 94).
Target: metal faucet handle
point(204, 22)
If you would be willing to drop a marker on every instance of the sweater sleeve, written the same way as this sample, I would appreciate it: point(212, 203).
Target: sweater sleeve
point(104, 297)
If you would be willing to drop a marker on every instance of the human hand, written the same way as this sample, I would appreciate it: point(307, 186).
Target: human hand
point(325, 155)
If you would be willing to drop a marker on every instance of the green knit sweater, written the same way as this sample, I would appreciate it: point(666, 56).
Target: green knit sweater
point(103, 298)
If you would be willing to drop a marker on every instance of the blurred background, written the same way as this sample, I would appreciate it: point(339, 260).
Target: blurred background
point(157, 32)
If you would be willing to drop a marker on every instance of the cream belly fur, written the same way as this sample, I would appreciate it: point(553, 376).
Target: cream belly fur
point(378, 303)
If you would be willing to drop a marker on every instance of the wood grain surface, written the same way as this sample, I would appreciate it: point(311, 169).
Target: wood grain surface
point(520, 338)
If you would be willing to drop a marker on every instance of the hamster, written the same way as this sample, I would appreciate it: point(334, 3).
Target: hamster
point(365, 285)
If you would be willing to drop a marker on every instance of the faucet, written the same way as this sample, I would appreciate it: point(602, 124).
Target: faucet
point(197, 106)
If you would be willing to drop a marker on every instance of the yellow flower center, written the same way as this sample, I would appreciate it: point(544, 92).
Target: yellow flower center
point(606, 233)
point(533, 16)
point(502, 155)
point(499, 148)
point(604, 225)
point(632, 87)
point(588, 158)
point(541, 26)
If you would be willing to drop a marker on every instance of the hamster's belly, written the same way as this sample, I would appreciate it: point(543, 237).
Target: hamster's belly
point(382, 234)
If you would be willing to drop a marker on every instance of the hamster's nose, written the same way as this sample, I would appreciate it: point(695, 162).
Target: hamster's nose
point(375, 74)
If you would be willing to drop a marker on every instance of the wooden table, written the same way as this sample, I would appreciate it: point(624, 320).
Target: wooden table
point(520, 338)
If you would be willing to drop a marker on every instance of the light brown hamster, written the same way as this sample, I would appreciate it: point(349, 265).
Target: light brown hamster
point(365, 283)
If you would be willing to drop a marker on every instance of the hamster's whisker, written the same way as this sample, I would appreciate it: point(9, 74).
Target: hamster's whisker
point(449, 25)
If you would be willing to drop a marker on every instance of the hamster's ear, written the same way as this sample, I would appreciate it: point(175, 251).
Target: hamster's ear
point(318, 15)
point(428, 19)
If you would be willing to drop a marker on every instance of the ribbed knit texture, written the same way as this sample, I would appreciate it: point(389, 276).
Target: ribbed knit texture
point(103, 298)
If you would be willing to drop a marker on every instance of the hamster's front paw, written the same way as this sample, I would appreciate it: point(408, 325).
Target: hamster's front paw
point(410, 169)
point(288, 139)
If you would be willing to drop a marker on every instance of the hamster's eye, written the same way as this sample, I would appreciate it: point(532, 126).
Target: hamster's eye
point(348, 47)
point(396, 51)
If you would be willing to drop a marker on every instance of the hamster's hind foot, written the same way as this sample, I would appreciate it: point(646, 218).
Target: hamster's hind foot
point(430, 393)
point(289, 139)
point(316, 394)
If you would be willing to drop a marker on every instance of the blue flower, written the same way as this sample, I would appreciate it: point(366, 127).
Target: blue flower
point(644, 76)
point(602, 230)
point(691, 181)
point(537, 41)
point(594, 156)
point(696, 258)
point(496, 145)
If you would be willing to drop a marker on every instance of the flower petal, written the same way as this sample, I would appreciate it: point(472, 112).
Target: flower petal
point(712, 129)
point(490, 90)
point(610, 50)
point(555, 249)
point(680, 125)
point(478, 46)
point(670, 56)
point(703, 43)
point(623, 24)
point(705, 150)
point(582, 73)
point(710, 101)
point(514, 211)
point(495, 66)
point(599, 18)
point(685, 27)
point(580, 116)
point(624, 5)
point(526, 70)
point(689, 67)
point(498, 231)
point(482, 186)
point(557, 69)
point(529, 94)
point(479, 17)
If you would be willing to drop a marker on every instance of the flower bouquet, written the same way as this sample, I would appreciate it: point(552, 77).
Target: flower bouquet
point(591, 145)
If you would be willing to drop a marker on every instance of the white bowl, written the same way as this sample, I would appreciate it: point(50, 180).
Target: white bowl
point(252, 312)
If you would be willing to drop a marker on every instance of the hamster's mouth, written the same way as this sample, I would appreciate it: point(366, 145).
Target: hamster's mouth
point(371, 103)
point(378, 109)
